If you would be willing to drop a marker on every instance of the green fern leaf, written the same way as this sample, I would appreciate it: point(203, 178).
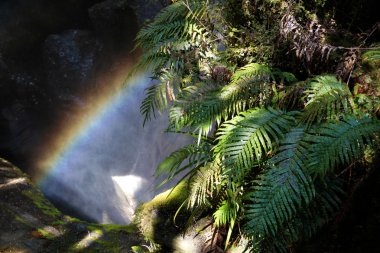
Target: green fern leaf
point(340, 143)
point(159, 95)
point(248, 138)
point(189, 157)
point(327, 99)
point(283, 188)
point(205, 184)
point(155, 98)
point(249, 86)
point(226, 213)
point(306, 222)
point(372, 55)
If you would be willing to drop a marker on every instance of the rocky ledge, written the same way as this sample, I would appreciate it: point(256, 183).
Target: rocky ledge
point(30, 223)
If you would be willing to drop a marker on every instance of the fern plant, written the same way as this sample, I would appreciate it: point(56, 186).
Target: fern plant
point(268, 149)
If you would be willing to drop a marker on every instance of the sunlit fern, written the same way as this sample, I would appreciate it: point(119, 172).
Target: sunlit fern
point(205, 185)
point(250, 85)
point(327, 98)
point(159, 95)
point(249, 137)
point(271, 171)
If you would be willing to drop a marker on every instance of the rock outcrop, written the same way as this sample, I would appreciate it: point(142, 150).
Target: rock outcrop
point(70, 61)
point(30, 223)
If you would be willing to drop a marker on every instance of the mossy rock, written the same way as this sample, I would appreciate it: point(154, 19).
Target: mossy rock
point(155, 218)
point(30, 223)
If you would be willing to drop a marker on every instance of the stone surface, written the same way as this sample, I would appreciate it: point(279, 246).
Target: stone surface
point(29, 223)
point(70, 59)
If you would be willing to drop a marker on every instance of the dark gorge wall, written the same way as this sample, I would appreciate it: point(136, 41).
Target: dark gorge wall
point(51, 54)
point(58, 61)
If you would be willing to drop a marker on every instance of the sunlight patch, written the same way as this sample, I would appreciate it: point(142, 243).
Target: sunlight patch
point(130, 185)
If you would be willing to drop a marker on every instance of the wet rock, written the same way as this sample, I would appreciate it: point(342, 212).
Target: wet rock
point(114, 20)
point(70, 59)
point(146, 9)
point(30, 223)
point(120, 13)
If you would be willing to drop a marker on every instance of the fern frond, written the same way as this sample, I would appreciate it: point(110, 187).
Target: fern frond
point(223, 214)
point(173, 13)
point(340, 143)
point(159, 95)
point(205, 185)
point(306, 222)
point(175, 29)
point(188, 157)
point(259, 71)
point(249, 86)
point(227, 213)
point(155, 98)
point(248, 138)
point(372, 55)
point(328, 98)
point(281, 190)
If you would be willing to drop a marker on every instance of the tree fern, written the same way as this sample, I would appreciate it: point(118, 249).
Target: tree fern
point(248, 138)
point(306, 221)
point(268, 170)
point(281, 189)
point(250, 85)
point(327, 99)
point(340, 143)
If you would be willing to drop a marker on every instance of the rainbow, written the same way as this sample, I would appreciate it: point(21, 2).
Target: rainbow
point(70, 134)
point(101, 160)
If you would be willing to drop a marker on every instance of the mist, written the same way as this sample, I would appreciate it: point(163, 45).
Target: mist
point(109, 168)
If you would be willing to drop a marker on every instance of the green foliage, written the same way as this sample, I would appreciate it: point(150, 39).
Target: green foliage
point(191, 156)
point(247, 138)
point(270, 149)
point(205, 185)
point(327, 98)
point(340, 143)
point(282, 189)
point(372, 55)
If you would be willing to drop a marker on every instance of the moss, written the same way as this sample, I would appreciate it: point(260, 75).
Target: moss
point(58, 222)
point(46, 234)
point(41, 203)
point(23, 221)
point(157, 214)
point(109, 228)
point(109, 246)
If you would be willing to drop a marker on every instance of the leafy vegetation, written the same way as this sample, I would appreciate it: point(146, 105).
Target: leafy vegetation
point(271, 147)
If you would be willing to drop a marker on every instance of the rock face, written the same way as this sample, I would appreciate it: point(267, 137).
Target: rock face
point(70, 60)
point(114, 20)
point(30, 223)
point(51, 53)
